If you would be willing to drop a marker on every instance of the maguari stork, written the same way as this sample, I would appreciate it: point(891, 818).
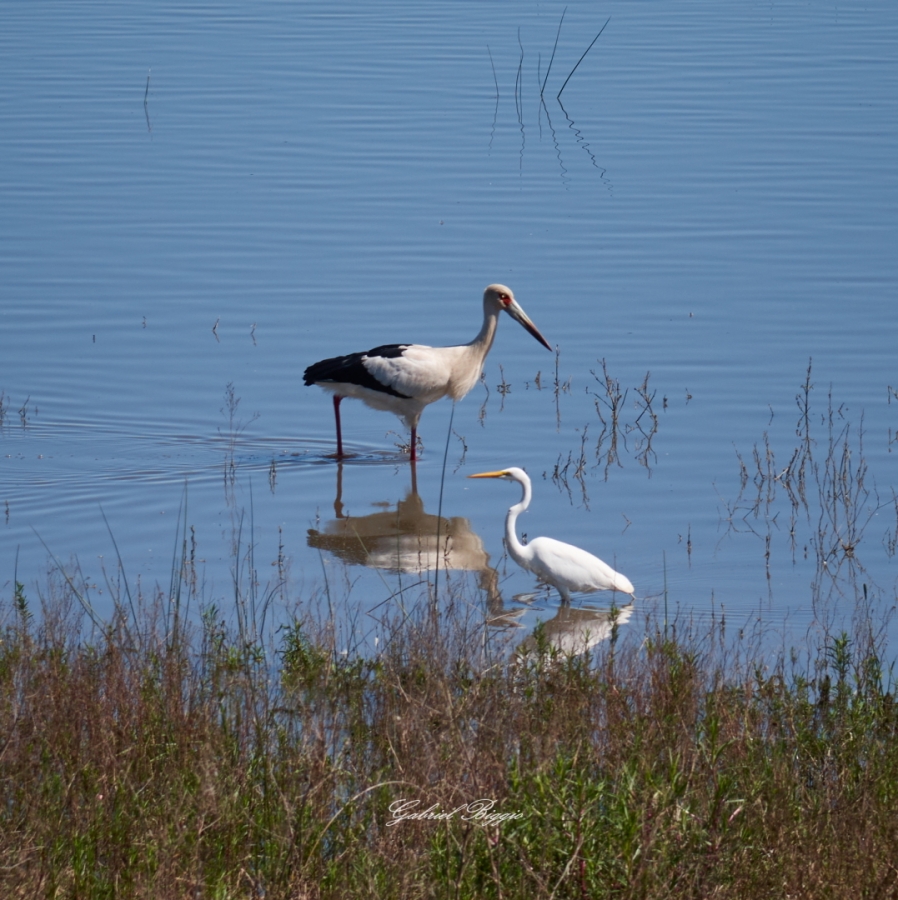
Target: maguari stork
point(405, 378)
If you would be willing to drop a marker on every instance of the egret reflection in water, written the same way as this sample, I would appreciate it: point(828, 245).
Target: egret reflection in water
point(578, 629)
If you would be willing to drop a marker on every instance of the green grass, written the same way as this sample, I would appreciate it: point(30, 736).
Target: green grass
point(153, 758)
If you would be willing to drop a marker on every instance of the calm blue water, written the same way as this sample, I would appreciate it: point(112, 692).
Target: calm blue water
point(220, 195)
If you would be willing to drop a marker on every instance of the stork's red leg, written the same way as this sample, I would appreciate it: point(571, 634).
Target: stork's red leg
point(414, 455)
point(337, 399)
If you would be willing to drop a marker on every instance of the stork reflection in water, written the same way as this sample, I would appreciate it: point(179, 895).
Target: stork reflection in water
point(405, 539)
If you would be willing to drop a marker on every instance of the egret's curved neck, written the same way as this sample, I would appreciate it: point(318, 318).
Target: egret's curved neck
point(515, 547)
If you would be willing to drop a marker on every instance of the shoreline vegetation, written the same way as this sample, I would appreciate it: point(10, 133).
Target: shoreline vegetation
point(162, 754)
point(297, 747)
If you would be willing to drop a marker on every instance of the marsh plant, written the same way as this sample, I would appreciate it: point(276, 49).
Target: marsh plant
point(160, 754)
point(821, 505)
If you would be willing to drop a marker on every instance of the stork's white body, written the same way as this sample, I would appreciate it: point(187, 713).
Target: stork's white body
point(566, 567)
point(421, 374)
point(405, 378)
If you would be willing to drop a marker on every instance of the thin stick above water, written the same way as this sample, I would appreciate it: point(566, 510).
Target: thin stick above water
point(566, 80)
point(496, 80)
point(436, 577)
point(146, 95)
point(557, 35)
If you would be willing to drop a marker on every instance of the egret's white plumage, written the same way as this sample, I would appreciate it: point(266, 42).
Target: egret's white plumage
point(565, 566)
point(405, 378)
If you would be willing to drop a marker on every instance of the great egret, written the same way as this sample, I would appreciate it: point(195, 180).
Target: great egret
point(404, 378)
point(565, 566)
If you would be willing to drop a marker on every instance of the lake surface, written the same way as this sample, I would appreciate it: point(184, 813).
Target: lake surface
point(199, 202)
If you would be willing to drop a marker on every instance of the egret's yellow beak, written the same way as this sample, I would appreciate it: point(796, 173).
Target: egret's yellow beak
point(490, 474)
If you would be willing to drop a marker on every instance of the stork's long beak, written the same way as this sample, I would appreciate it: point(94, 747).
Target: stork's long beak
point(489, 474)
point(518, 314)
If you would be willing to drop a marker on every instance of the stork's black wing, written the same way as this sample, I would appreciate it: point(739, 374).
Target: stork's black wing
point(351, 369)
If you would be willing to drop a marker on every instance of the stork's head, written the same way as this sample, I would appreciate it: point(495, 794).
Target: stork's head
point(498, 296)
